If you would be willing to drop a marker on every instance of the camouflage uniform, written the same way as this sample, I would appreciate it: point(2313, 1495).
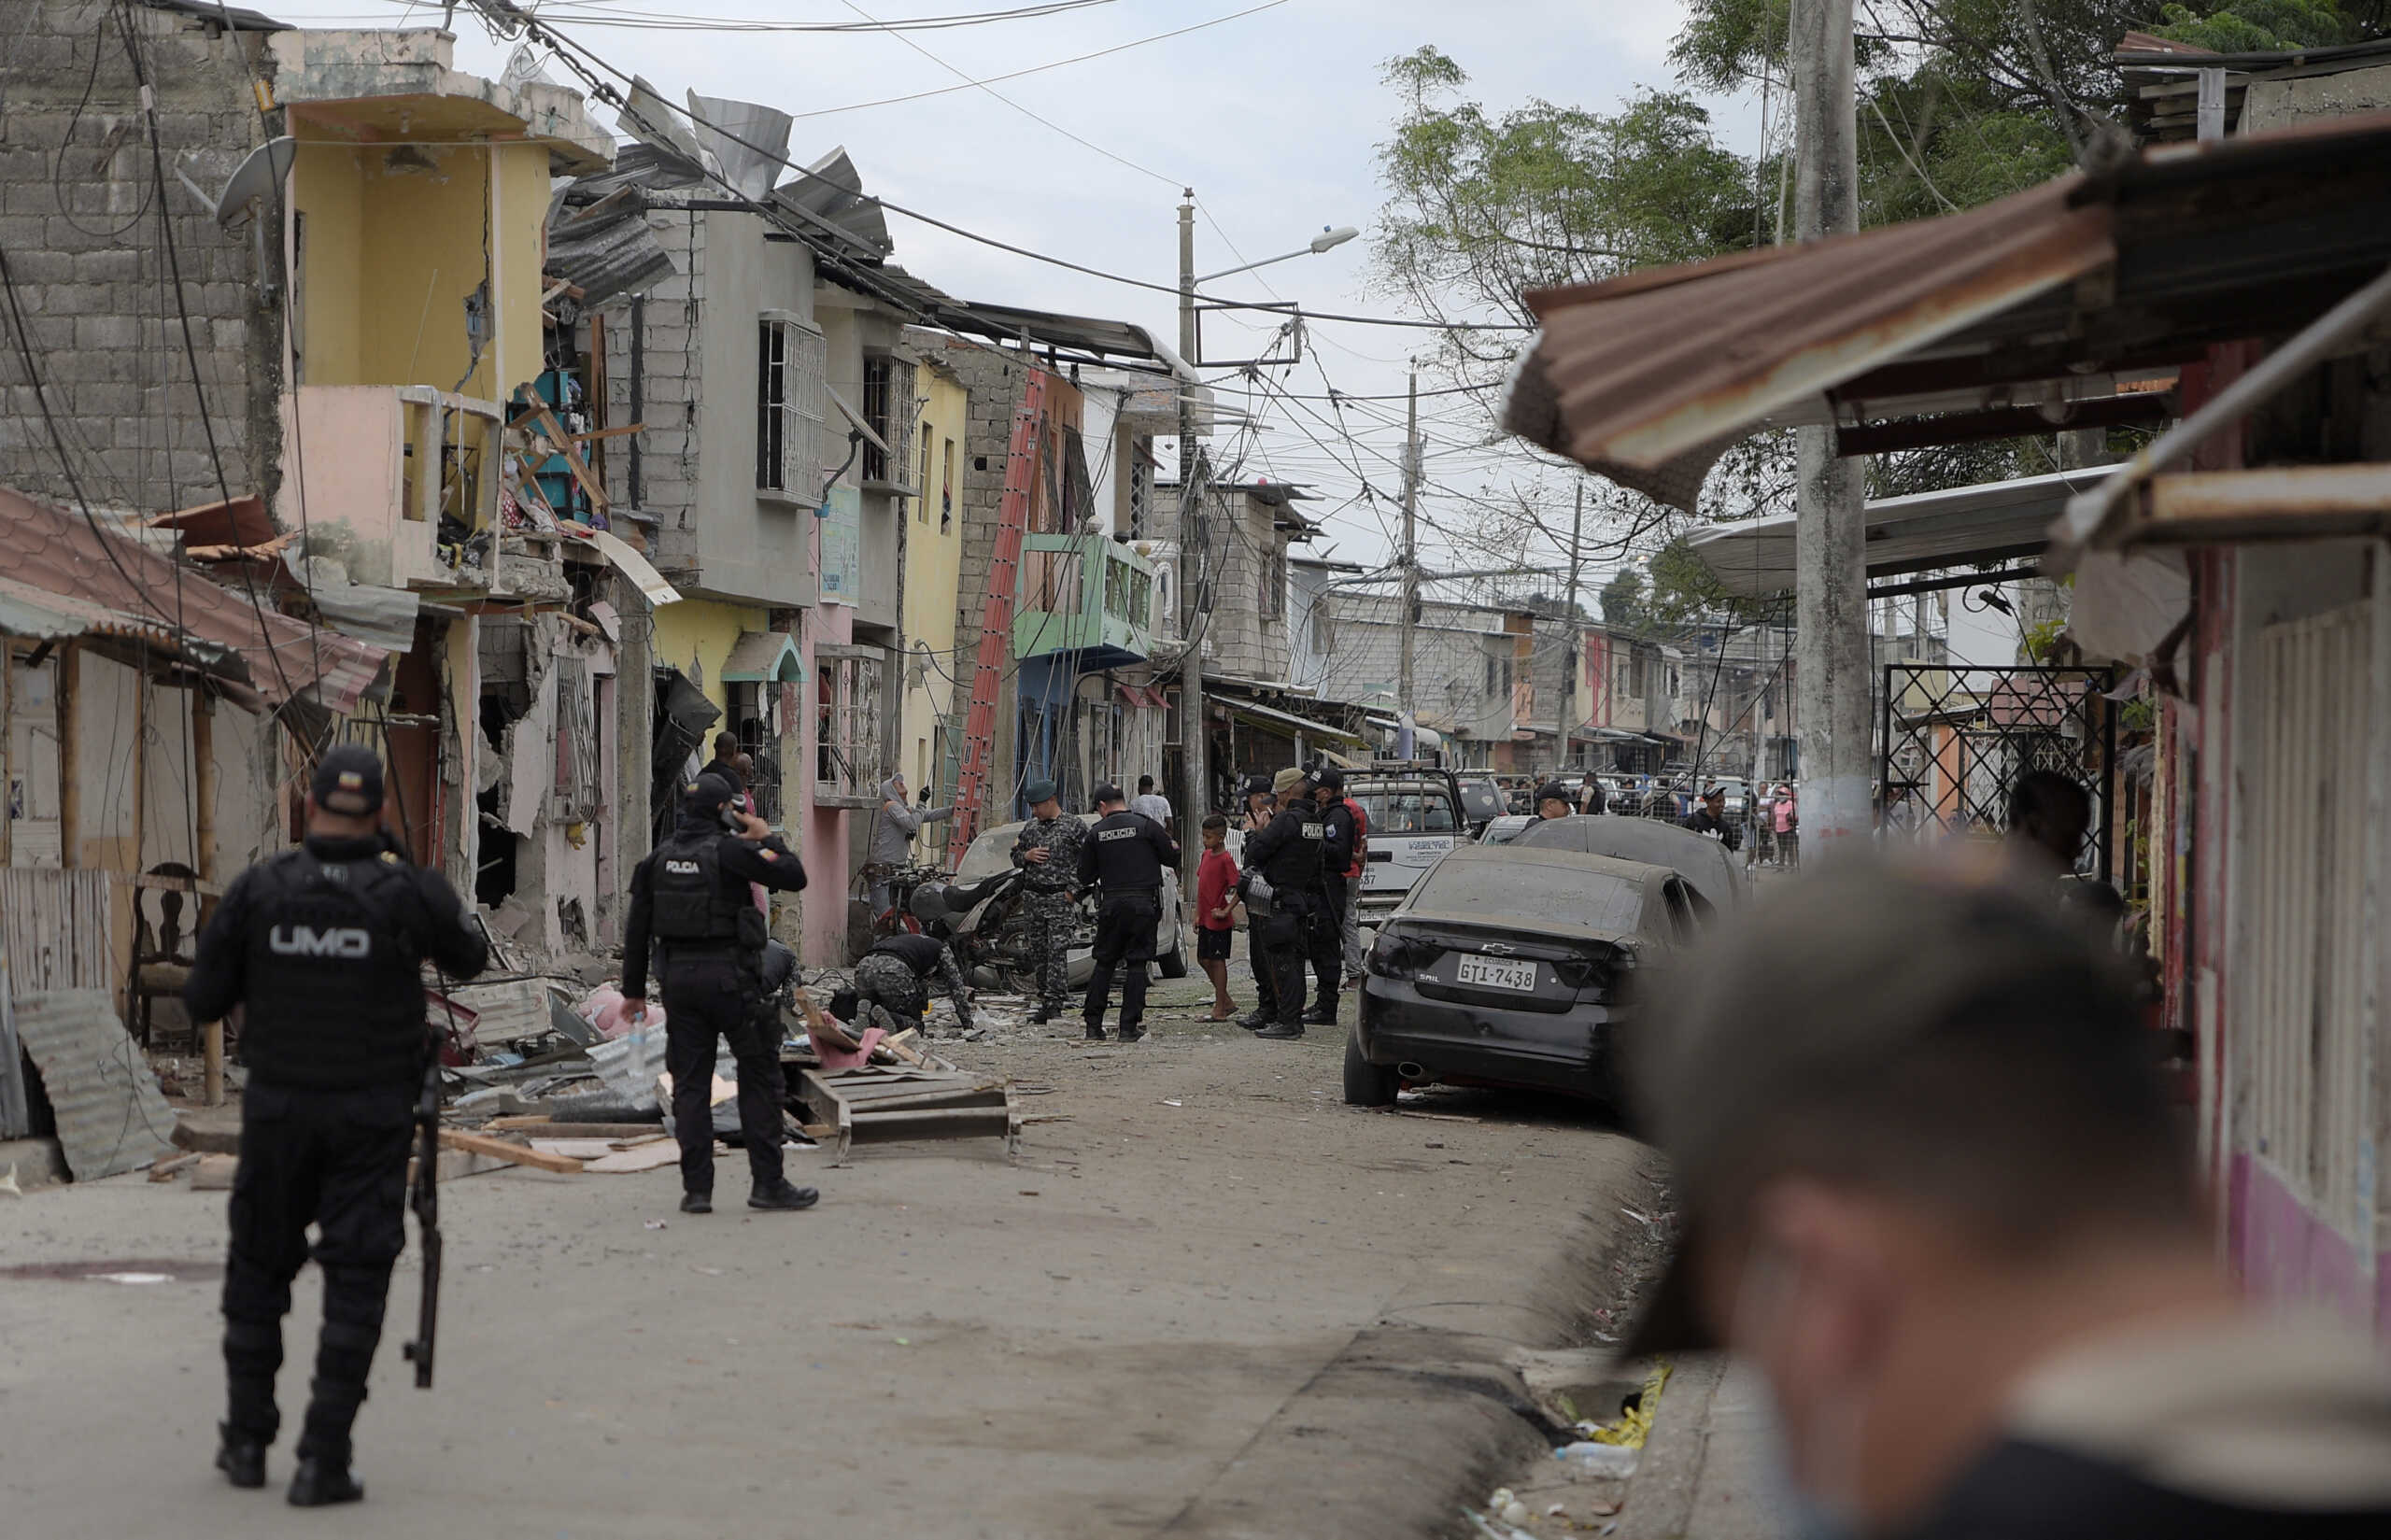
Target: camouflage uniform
point(892, 983)
point(1047, 904)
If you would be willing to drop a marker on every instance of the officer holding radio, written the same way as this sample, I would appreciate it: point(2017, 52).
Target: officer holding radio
point(690, 899)
point(322, 948)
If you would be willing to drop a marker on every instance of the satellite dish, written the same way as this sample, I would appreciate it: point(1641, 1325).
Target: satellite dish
point(265, 170)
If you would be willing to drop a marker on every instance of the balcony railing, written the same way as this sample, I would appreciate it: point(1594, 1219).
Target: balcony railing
point(1085, 594)
point(399, 482)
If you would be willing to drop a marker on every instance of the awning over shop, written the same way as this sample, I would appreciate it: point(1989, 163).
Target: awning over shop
point(1995, 522)
point(759, 657)
point(1285, 722)
point(2120, 276)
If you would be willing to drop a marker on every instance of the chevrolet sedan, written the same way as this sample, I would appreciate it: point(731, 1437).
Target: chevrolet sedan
point(1506, 965)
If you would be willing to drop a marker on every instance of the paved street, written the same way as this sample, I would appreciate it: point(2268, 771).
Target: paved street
point(1207, 1299)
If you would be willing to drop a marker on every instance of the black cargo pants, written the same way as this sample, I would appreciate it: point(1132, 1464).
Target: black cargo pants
point(1301, 935)
point(711, 996)
point(1126, 923)
point(337, 1160)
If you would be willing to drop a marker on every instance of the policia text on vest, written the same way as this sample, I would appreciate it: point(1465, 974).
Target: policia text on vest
point(691, 901)
point(323, 949)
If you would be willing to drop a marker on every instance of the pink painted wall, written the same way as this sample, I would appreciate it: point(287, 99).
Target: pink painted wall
point(2285, 1252)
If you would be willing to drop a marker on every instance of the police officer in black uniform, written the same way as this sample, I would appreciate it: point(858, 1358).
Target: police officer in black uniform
point(1127, 857)
point(690, 899)
point(321, 946)
point(1299, 931)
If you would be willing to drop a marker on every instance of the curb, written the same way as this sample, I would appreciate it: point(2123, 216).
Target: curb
point(1413, 1420)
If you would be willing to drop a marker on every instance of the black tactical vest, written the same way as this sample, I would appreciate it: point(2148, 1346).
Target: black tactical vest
point(335, 1001)
point(691, 904)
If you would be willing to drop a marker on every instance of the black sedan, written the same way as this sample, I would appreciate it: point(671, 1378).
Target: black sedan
point(1504, 966)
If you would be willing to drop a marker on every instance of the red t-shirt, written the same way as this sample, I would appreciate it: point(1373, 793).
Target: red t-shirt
point(1215, 877)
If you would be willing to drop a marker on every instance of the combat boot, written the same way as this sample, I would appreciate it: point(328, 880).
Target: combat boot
point(1282, 1032)
point(697, 1203)
point(240, 1457)
point(1253, 1020)
point(1040, 1016)
point(1322, 1015)
point(1095, 1032)
point(1131, 1032)
point(785, 1197)
point(319, 1483)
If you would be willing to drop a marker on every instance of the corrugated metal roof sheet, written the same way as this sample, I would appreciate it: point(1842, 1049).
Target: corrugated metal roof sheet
point(59, 562)
point(608, 247)
point(1994, 521)
point(112, 1118)
point(1648, 377)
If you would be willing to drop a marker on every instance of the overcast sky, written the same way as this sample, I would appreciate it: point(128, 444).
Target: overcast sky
point(1274, 118)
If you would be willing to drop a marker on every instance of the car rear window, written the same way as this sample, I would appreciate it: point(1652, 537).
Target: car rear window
point(1411, 811)
point(1570, 894)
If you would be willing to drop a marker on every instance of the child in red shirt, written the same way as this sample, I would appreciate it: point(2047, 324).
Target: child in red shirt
point(1216, 913)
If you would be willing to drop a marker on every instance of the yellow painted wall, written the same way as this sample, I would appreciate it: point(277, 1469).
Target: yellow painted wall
point(327, 188)
point(696, 635)
point(396, 237)
point(933, 567)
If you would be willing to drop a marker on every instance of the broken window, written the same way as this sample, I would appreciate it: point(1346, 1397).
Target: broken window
point(847, 729)
point(889, 407)
point(576, 742)
point(789, 355)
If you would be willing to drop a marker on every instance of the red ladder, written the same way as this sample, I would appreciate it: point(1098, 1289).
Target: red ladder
point(995, 621)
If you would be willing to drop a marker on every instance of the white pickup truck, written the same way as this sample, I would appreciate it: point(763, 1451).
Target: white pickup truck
point(1415, 814)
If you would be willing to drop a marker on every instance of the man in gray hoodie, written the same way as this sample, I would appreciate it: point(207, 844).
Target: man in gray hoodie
point(892, 827)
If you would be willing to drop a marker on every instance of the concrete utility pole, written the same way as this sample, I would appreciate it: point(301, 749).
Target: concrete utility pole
point(1569, 637)
point(1195, 799)
point(1831, 580)
point(1410, 599)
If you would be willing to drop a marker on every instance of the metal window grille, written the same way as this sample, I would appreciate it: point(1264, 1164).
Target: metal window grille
point(2304, 988)
point(848, 758)
point(889, 407)
point(1953, 741)
point(576, 763)
point(771, 406)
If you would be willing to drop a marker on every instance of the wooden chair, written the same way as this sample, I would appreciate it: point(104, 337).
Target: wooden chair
point(164, 956)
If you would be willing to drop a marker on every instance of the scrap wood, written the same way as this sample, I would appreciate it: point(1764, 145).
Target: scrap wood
point(541, 1125)
point(564, 446)
point(515, 1155)
point(165, 1167)
point(640, 1157)
point(580, 1150)
point(214, 1173)
point(608, 432)
point(1432, 1117)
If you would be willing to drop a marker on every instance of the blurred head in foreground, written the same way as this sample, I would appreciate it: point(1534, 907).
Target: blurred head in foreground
point(1934, 1191)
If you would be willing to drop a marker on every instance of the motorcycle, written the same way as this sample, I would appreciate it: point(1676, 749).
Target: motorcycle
point(970, 917)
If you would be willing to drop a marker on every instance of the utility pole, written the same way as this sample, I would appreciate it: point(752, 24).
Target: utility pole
point(1831, 581)
point(1195, 799)
point(1569, 662)
point(1410, 558)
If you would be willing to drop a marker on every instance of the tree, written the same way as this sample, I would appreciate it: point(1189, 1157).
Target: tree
point(1623, 601)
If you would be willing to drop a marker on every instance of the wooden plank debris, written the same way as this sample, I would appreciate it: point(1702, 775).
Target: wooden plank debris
point(517, 1155)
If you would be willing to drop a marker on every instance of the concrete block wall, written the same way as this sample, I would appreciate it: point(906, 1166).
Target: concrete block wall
point(79, 222)
point(994, 382)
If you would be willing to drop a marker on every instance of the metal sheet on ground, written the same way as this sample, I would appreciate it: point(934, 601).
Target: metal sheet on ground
point(112, 1118)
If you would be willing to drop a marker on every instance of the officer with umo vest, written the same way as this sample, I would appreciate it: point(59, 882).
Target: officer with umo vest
point(690, 899)
point(1288, 856)
point(322, 947)
point(1127, 856)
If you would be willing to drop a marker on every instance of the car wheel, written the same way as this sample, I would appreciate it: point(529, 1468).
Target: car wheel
point(1367, 1084)
point(1173, 963)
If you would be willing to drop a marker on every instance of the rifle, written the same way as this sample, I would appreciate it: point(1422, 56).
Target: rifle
point(425, 1200)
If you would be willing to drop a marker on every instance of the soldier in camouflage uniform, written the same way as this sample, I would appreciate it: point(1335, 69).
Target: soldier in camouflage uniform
point(896, 975)
point(1048, 851)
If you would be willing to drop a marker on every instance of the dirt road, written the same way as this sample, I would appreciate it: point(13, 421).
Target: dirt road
point(1208, 1299)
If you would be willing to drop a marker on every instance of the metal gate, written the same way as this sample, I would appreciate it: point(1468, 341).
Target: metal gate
point(1953, 741)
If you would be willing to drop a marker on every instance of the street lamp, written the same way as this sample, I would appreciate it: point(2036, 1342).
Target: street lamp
point(1196, 791)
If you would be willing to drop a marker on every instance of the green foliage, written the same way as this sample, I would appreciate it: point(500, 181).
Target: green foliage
point(2260, 26)
point(1623, 601)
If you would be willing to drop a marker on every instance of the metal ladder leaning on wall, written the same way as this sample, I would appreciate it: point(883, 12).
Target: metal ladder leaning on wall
point(996, 619)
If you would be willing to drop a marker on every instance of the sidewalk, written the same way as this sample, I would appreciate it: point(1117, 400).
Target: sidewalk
point(1704, 1474)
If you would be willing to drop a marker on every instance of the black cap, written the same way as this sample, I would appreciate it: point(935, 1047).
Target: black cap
point(1329, 776)
point(708, 793)
point(1105, 792)
point(1255, 786)
point(349, 779)
point(1553, 791)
